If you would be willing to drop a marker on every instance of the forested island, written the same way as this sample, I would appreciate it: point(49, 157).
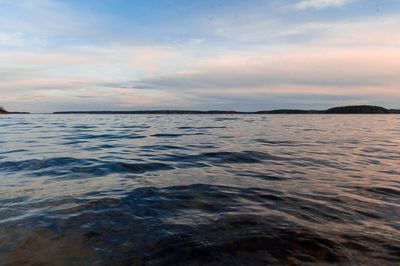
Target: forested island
point(356, 109)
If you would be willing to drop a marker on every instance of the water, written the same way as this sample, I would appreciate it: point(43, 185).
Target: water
point(199, 189)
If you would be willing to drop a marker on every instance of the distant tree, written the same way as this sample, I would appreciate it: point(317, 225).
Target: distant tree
point(2, 109)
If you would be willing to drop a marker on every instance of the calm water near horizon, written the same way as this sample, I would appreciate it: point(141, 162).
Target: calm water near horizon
point(199, 189)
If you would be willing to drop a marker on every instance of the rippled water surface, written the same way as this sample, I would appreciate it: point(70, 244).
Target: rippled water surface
point(199, 189)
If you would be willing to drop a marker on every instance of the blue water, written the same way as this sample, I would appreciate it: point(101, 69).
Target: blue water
point(199, 189)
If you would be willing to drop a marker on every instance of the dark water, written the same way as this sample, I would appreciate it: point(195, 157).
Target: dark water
point(199, 190)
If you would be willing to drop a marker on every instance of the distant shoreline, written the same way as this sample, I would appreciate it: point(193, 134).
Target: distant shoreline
point(17, 113)
point(356, 109)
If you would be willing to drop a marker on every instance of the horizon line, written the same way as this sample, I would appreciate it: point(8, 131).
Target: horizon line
point(339, 109)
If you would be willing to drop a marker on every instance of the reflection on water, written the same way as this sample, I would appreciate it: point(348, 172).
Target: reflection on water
point(199, 189)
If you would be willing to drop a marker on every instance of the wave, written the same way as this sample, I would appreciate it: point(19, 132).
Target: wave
point(200, 224)
point(70, 167)
point(162, 135)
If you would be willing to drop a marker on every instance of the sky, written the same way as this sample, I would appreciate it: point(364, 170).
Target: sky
point(198, 54)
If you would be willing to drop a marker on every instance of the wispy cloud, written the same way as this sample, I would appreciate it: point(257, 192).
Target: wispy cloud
point(321, 4)
point(319, 69)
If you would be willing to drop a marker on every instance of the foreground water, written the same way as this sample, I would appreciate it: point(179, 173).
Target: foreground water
point(199, 189)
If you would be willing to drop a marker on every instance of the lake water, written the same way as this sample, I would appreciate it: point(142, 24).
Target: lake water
point(199, 189)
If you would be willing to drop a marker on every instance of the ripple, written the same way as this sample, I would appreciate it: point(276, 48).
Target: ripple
point(279, 143)
point(167, 135)
point(35, 164)
point(175, 135)
point(227, 118)
point(106, 136)
point(162, 148)
point(69, 167)
point(386, 191)
point(209, 127)
point(149, 225)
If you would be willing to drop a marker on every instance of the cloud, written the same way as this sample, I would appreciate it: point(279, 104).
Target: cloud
point(269, 77)
point(321, 4)
point(299, 66)
point(81, 76)
point(256, 31)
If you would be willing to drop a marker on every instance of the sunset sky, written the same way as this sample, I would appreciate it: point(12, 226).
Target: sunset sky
point(209, 54)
